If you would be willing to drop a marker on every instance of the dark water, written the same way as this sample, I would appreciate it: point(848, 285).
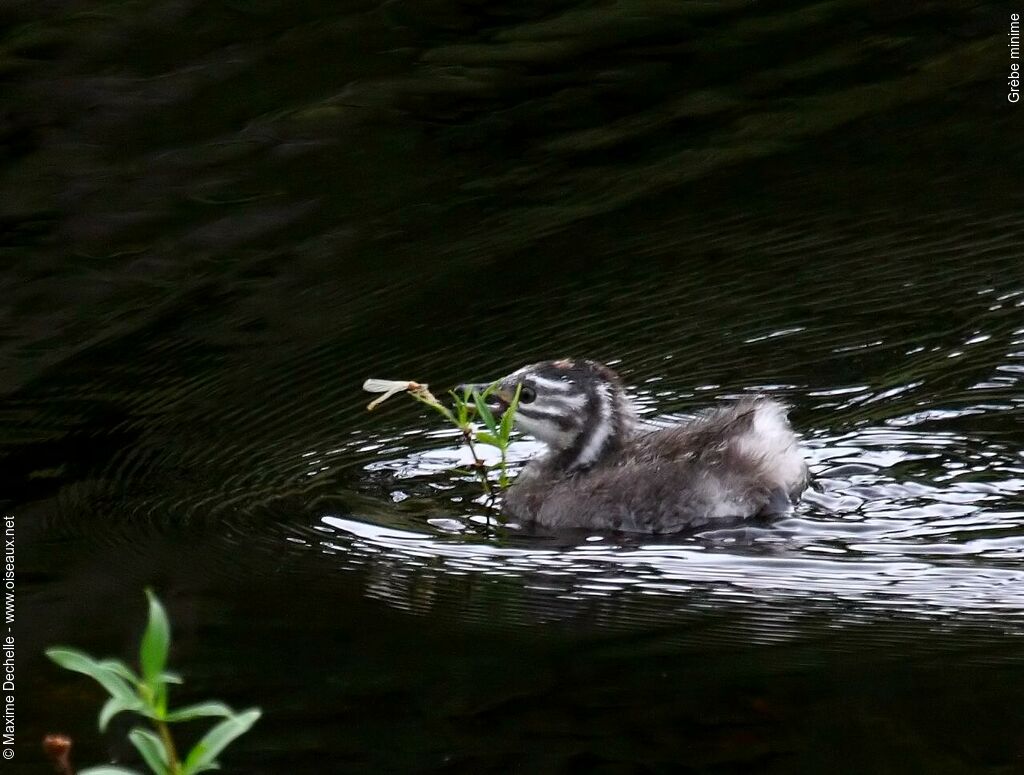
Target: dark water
point(218, 218)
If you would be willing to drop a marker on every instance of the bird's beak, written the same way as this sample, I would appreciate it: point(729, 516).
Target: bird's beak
point(497, 400)
point(472, 387)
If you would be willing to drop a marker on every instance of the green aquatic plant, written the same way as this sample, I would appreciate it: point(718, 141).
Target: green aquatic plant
point(146, 694)
point(467, 404)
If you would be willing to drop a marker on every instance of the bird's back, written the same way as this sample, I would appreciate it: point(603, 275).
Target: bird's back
point(735, 461)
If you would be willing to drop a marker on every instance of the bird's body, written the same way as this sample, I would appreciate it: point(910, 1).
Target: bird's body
point(604, 473)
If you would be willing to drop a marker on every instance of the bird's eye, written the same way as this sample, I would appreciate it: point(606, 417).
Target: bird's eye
point(527, 395)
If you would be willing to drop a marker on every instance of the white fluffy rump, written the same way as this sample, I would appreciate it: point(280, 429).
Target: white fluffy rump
point(770, 440)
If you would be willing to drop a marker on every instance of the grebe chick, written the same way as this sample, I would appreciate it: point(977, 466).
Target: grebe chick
point(603, 472)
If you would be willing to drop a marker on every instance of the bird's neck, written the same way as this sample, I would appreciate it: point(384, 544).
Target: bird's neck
point(610, 423)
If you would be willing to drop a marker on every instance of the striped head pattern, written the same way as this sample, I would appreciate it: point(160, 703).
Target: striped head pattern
point(576, 407)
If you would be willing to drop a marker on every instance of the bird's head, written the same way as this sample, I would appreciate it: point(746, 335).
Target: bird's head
point(576, 407)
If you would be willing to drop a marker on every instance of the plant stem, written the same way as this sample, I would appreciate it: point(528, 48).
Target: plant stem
point(478, 464)
point(460, 419)
point(172, 754)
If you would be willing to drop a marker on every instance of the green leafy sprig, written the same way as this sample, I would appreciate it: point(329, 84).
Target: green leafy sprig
point(146, 695)
point(465, 405)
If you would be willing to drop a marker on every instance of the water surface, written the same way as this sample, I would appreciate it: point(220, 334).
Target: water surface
point(225, 216)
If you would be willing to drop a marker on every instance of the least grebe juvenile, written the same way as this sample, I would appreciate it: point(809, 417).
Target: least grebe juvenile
point(603, 472)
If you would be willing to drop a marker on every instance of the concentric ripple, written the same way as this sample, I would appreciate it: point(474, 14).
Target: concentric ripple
point(904, 384)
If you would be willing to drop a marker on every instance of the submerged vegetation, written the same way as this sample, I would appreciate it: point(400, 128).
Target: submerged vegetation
point(146, 694)
point(467, 404)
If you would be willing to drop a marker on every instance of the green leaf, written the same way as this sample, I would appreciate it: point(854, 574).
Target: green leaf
point(199, 710)
point(485, 413)
point(155, 642)
point(72, 659)
point(118, 667)
point(109, 678)
point(152, 750)
point(115, 705)
point(464, 414)
point(168, 677)
point(507, 419)
point(108, 769)
point(461, 403)
point(488, 438)
point(217, 739)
